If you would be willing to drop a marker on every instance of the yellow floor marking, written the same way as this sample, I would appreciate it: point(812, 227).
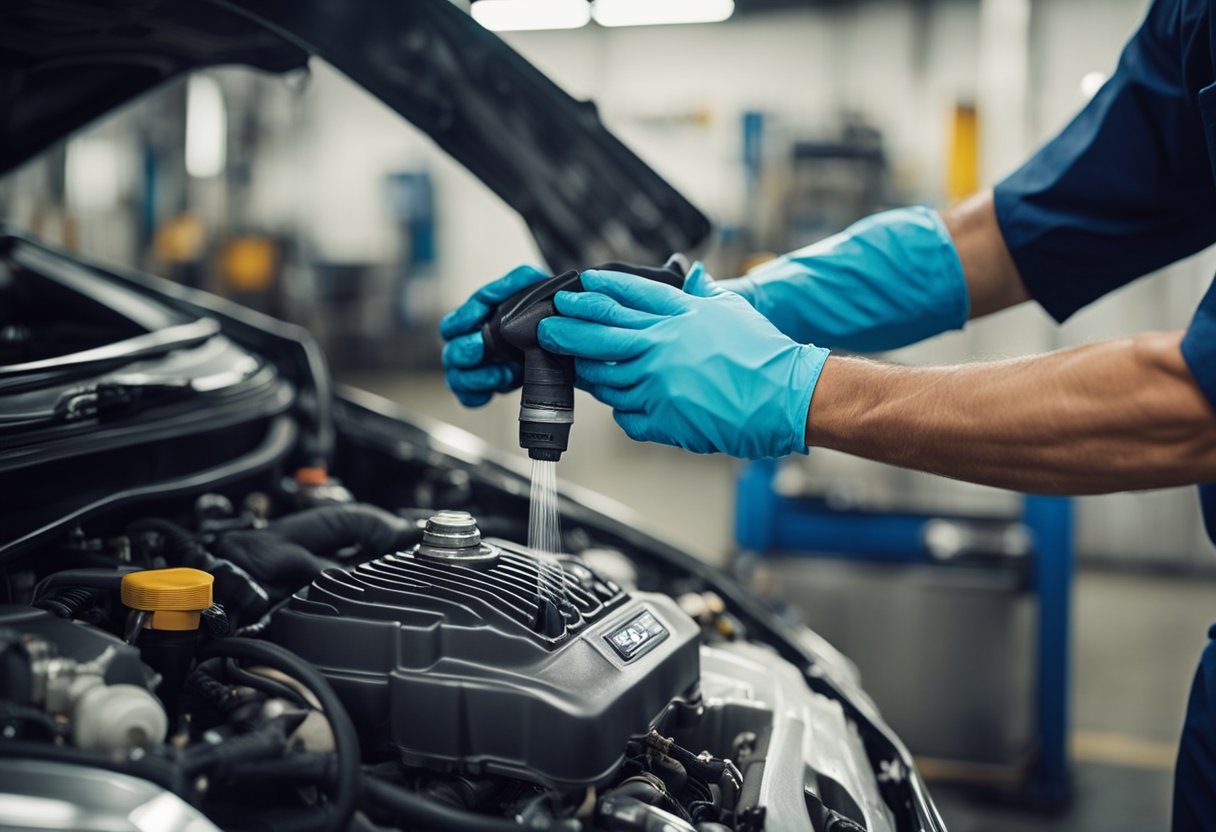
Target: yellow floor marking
point(1122, 750)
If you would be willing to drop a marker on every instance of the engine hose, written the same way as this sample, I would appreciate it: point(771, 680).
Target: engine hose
point(107, 578)
point(216, 693)
point(69, 602)
point(242, 595)
point(257, 628)
point(424, 813)
point(276, 820)
point(709, 770)
point(649, 789)
point(345, 790)
point(699, 790)
point(42, 724)
point(215, 621)
point(326, 530)
point(300, 768)
point(265, 744)
point(178, 542)
point(271, 687)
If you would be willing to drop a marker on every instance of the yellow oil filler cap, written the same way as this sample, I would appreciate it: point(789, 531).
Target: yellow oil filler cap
point(174, 597)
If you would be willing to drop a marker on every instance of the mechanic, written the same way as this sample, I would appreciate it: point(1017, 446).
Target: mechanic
point(1128, 187)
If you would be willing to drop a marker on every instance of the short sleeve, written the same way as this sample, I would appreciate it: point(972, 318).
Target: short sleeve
point(1127, 187)
point(1199, 345)
point(1199, 352)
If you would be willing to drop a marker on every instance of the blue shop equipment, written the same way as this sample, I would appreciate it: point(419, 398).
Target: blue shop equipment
point(934, 550)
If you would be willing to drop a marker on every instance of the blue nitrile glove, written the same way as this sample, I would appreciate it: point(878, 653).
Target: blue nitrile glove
point(886, 281)
point(700, 369)
point(472, 383)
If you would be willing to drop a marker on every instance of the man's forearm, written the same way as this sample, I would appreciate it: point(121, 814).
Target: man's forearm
point(1114, 416)
point(993, 282)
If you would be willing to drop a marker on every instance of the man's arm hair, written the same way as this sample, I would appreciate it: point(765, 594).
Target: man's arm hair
point(1118, 415)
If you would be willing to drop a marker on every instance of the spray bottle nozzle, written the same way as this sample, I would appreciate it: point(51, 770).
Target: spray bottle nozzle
point(546, 406)
point(546, 454)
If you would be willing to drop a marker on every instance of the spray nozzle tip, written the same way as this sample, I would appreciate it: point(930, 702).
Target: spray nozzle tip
point(545, 454)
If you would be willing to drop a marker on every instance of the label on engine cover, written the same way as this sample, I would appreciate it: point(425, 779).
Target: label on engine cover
point(640, 634)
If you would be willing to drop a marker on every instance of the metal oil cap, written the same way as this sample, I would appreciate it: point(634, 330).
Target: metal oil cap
point(453, 537)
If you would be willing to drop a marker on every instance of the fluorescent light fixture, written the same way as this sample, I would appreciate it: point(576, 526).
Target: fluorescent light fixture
point(93, 174)
point(652, 12)
point(206, 127)
point(519, 15)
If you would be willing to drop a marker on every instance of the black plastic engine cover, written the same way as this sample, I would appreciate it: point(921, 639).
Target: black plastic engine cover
point(459, 668)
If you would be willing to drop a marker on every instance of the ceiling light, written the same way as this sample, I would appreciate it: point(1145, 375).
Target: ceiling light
point(206, 127)
point(93, 174)
point(518, 15)
point(652, 12)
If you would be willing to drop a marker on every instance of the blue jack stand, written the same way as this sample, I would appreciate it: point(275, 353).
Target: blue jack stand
point(768, 523)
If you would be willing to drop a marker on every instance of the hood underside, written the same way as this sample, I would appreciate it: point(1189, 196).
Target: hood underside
point(585, 196)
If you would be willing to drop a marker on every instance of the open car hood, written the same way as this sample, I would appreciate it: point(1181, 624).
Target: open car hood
point(63, 63)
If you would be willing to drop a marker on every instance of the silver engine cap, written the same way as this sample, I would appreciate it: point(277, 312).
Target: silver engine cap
point(453, 537)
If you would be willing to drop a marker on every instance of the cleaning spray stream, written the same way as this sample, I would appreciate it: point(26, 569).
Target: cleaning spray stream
point(544, 529)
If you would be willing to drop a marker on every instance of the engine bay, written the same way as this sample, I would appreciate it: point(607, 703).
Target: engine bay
point(234, 597)
point(351, 666)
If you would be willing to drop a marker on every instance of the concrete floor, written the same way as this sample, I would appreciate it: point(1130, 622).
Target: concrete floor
point(1136, 638)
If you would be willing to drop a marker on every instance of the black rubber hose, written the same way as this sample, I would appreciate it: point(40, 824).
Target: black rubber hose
point(265, 744)
point(215, 622)
point(179, 543)
point(69, 602)
point(108, 578)
point(424, 813)
point(235, 587)
point(326, 530)
point(216, 693)
point(345, 791)
point(300, 768)
point(43, 723)
point(16, 673)
point(275, 820)
point(272, 687)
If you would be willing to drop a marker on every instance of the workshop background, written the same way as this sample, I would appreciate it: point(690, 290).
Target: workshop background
point(306, 198)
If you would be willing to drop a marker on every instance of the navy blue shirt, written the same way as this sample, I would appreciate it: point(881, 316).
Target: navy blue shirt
point(1130, 185)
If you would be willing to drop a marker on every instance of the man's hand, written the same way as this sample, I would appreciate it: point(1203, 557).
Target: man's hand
point(473, 383)
point(700, 369)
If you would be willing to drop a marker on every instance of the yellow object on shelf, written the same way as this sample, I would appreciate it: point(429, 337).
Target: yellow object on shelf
point(249, 263)
point(174, 597)
point(963, 170)
point(180, 239)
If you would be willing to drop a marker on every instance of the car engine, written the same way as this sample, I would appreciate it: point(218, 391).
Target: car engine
point(233, 597)
point(338, 665)
point(480, 667)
